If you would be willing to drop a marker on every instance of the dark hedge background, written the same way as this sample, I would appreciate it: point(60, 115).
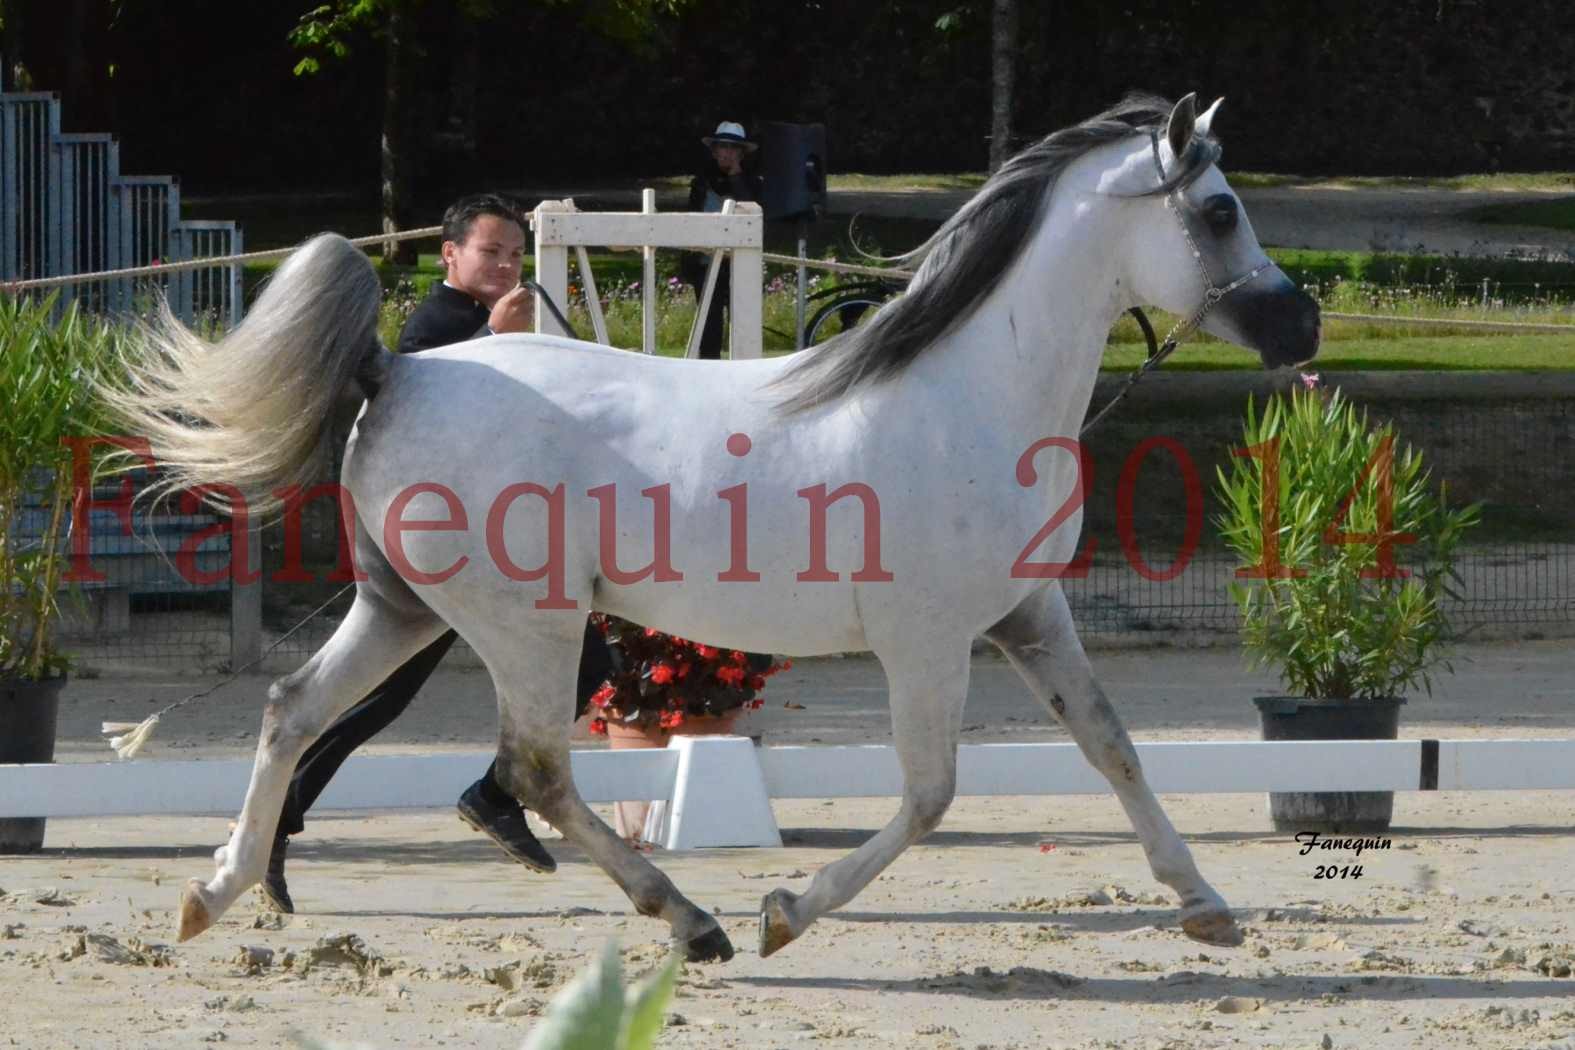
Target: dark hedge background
point(1404, 87)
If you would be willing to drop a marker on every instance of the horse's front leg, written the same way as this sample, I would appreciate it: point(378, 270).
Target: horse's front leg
point(928, 679)
point(1040, 641)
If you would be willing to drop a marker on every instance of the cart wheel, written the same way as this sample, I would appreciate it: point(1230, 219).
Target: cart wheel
point(837, 317)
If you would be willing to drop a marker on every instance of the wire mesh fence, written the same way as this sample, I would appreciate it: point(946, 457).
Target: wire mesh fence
point(156, 587)
point(1499, 439)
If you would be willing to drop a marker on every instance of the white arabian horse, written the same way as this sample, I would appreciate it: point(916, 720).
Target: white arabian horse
point(873, 494)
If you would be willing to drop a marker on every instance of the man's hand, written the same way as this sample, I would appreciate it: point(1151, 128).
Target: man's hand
point(515, 312)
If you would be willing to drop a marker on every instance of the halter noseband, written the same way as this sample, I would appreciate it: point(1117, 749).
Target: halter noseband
point(1213, 294)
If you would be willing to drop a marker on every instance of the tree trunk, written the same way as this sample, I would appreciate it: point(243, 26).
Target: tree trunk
point(10, 46)
point(465, 65)
point(1003, 80)
point(78, 90)
point(395, 164)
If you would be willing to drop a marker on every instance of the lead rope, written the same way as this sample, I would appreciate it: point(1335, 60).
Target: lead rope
point(132, 735)
point(552, 308)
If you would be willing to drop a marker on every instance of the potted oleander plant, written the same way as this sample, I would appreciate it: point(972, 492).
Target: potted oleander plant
point(49, 365)
point(1347, 553)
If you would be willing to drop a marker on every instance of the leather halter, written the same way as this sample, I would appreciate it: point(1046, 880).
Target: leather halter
point(1213, 294)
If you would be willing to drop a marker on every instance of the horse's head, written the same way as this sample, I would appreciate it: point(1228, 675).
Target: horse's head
point(1196, 254)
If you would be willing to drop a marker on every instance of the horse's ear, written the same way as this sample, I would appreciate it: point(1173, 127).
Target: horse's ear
point(1182, 119)
point(1201, 126)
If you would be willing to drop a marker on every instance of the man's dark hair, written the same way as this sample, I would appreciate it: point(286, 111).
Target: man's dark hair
point(465, 211)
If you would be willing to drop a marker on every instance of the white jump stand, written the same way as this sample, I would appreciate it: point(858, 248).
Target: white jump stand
point(719, 797)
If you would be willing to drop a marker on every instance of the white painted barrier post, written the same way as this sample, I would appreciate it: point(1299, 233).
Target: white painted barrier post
point(719, 795)
point(552, 265)
point(708, 289)
point(746, 318)
point(648, 280)
point(720, 787)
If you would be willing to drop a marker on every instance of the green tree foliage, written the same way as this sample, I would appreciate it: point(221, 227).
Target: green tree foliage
point(326, 31)
point(901, 85)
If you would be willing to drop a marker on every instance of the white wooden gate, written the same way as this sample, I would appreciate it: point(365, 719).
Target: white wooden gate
point(739, 229)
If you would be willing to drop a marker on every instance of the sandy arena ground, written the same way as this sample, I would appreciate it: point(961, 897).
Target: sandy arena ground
point(1021, 923)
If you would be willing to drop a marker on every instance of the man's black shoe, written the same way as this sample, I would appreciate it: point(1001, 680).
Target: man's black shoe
point(506, 827)
point(273, 887)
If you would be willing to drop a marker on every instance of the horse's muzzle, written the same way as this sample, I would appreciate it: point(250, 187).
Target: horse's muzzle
point(1279, 320)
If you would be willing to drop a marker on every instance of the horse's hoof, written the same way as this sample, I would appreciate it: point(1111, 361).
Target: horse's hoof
point(194, 914)
point(775, 928)
point(1214, 926)
point(711, 946)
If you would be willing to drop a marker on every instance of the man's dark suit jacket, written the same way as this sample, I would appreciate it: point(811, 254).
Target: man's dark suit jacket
point(445, 317)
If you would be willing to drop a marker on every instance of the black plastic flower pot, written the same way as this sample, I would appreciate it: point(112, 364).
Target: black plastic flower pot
point(1300, 718)
point(29, 709)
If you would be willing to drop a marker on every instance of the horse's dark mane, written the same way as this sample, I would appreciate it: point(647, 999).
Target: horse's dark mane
point(966, 258)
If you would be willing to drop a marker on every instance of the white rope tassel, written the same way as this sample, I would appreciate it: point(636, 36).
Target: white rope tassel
point(135, 734)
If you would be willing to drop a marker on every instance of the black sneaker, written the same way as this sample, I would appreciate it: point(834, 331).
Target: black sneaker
point(273, 887)
point(507, 828)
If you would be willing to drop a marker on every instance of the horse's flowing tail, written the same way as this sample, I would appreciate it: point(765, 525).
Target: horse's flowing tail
point(250, 410)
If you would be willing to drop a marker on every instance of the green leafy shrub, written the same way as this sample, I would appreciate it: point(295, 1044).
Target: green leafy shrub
point(48, 368)
point(1322, 509)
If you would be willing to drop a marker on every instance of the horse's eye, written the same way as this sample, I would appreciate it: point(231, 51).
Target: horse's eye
point(1219, 211)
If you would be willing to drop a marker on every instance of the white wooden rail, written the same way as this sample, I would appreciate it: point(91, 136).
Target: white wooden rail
point(559, 226)
point(736, 781)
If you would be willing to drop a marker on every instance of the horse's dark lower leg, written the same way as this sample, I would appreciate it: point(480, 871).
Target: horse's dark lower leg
point(534, 660)
point(538, 775)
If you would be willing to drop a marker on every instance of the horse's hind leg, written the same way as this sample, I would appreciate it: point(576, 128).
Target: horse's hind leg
point(374, 639)
point(1040, 641)
point(535, 671)
point(928, 679)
